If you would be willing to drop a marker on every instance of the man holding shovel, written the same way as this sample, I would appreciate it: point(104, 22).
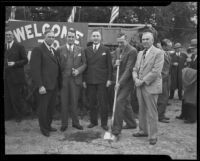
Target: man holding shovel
point(126, 56)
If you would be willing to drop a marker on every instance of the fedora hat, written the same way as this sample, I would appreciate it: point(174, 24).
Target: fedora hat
point(177, 45)
point(193, 44)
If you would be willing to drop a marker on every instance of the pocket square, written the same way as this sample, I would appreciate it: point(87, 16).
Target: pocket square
point(104, 54)
point(79, 54)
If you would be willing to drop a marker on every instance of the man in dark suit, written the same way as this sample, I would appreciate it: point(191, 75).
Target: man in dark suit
point(73, 63)
point(163, 97)
point(45, 71)
point(178, 60)
point(126, 56)
point(97, 77)
point(148, 80)
point(14, 78)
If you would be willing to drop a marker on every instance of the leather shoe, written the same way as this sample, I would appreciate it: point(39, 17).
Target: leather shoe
point(163, 120)
point(166, 118)
point(63, 128)
point(78, 127)
point(180, 117)
point(153, 141)
point(105, 127)
point(91, 125)
point(139, 135)
point(52, 129)
point(45, 133)
point(129, 127)
point(114, 138)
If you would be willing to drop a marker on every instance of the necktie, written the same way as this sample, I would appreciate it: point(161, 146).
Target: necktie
point(95, 48)
point(144, 53)
point(51, 50)
point(8, 46)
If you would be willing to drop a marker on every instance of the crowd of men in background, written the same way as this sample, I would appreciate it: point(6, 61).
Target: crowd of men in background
point(84, 79)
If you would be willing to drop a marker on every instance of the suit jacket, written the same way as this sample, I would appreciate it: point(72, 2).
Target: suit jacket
point(78, 62)
point(166, 66)
point(176, 71)
point(45, 68)
point(128, 59)
point(99, 65)
point(15, 74)
point(151, 70)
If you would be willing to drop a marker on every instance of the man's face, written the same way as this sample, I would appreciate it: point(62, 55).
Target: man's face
point(9, 36)
point(177, 50)
point(70, 38)
point(194, 51)
point(49, 38)
point(96, 37)
point(147, 40)
point(122, 42)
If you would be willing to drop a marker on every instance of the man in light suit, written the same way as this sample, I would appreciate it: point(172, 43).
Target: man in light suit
point(73, 63)
point(148, 80)
point(97, 77)
point(125, 56)
point(14, 78)
point(45, 72)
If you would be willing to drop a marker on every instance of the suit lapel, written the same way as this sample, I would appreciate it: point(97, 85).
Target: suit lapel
point(46, 51)
point(149, 56)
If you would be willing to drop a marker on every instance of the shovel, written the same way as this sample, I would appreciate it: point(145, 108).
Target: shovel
point(108, 135)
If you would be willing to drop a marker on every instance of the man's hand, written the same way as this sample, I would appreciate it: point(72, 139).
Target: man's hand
point(75, 72)
point(11, 63)
point(42, 90)
point(84, 85)
point(108, 83)
point(134, 74)
point(117, 86)
point(138, 82)
point(175, 64)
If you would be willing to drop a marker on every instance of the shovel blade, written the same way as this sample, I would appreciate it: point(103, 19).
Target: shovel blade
point(107, 136)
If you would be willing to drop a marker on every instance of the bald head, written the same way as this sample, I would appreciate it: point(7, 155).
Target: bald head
point(147, 39)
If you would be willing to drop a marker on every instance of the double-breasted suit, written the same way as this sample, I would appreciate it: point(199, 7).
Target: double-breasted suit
point(14, 78)
point(45, 71)
point(149, 70)
point(123, 109)
point(71, 85)
point(97, 73)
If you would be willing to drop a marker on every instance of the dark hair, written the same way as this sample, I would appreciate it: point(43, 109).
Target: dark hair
point(72, 30)
point(165, 42)
point(96, 30)
point(48, 30)
point(121, 34)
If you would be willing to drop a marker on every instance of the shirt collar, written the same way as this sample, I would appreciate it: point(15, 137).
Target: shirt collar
point(148, 50)
point(97, 45)
point(11, 43)
point(71, 46)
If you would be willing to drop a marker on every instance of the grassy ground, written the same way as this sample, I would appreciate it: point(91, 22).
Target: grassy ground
point(176, 139)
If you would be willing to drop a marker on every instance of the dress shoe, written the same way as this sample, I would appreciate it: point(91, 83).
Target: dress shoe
point(52, 129)
point(114, 138)
point(105, 127)
point(78, 127)
point(163, 120)
point(180, 117)
point(91, 125)
point(129, 127)
point(153, 141)
point(166, 118)
point(139, 134)
point(189, 122)
point(63, 128)
point(45, 133)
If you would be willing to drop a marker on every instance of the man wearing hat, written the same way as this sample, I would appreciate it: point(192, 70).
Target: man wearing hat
point(177, 59)
point(192, 62)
